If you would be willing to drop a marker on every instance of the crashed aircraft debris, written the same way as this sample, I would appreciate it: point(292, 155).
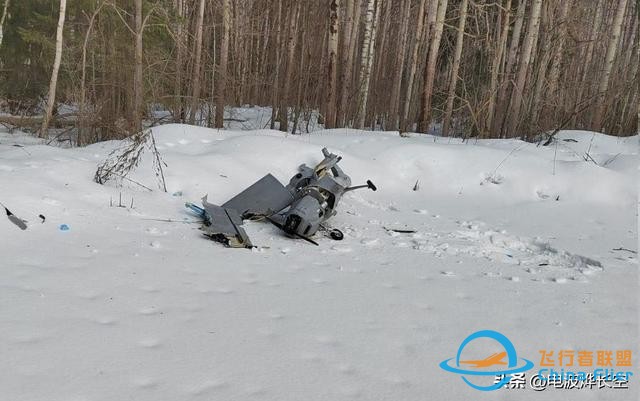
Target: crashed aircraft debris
point(299, 209)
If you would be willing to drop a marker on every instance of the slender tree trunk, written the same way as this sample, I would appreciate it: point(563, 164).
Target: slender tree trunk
point(138, 83)
point(455, 67)
point(523, 69)
point(503, 102)
point(276, 79)
point(558, 54)
point(498, 61)
point(332, 67)
point(350, 109)
point(179, 108)
point(195, 96)
point(430, 67)
point(366, 62)
point(372, 56)
point(398, 69)
point(538, 78)
point(616, 28)
point(292, 40)
point(51, 99)
point(83, 79)
point(346, 61)
point(414, 66)
point(2, 20)
point(593, 36)
point(224, 57)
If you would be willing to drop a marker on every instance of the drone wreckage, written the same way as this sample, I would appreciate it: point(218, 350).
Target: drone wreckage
point(300, 209)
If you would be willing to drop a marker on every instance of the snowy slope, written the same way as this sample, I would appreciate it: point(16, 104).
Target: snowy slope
point(510, 237)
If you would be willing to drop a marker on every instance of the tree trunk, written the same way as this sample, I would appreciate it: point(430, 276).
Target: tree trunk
point(224, 57)
point(414, 65)
point(195, 96)
point(137, 79)
point(454, 69)
point(523, 69)
point(51, 99)
point(179, 108)
point(558, 54)
point(276, 79)
point(498, 61)
point(430, 67)
point(2, 19)
point(593, 35)
point(346, 61)
point(503, 101)
point(597, 123)
point(365, 57)
point(332, 71)
point(398, 69)
point(286, 97)
point(83, 79)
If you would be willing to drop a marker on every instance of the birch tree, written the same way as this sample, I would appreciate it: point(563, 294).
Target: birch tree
point(366, 62)
point(51, 99)
point(394, 104)
point(346, 59)
point(195, 96)
point(224, 57)
point(2, 19)
point(608, 65)
point(332, 67)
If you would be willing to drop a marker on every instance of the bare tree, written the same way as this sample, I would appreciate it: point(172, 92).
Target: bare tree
point(224, 57)
point(137, 78)
point(83, 79)
point(2, 20)
point(503, 102)
point(365, 65)
point(346, 59)
point(394, 104)
point(430, 67)
point(455, 67)
point(608, 64)
point(420, 31)
point(332, 67)
point(51, 99)
point(498, 61)
point(523, 68)
point(195, 97)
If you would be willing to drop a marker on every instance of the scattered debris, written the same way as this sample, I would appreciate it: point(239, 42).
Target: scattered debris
point(401, 230)
point(15, 219)
point(625, 250)
point(299, 209)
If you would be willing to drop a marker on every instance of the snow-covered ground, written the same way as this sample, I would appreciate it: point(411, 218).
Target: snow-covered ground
point(534, 242)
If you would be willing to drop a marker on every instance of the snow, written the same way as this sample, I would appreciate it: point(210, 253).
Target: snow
point(510, 236)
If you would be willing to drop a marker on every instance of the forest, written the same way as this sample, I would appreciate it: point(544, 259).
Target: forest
point(104, 69)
